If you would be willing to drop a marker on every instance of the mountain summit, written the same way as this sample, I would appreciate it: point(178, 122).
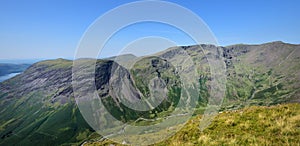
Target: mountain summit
point(38, 105)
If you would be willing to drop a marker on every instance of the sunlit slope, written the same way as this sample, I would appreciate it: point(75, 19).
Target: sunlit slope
point(38, 106)
point(275, 125)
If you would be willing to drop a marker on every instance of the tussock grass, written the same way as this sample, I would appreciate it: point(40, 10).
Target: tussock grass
point(255, 125)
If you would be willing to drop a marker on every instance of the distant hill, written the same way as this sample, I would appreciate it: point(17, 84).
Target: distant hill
point(38, 106)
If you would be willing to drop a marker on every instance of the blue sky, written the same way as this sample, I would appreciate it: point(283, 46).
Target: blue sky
point(53, 28)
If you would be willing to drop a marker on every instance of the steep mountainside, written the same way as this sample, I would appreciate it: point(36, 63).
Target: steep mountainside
point(38, 106)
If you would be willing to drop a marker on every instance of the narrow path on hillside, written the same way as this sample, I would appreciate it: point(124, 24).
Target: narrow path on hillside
point(287, 57)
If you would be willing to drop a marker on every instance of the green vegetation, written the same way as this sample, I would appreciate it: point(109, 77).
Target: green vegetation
point(38, 107)
point(31, 122)
point(125, 114)
point(56, 64)
point(274, 125)
point(143, 71)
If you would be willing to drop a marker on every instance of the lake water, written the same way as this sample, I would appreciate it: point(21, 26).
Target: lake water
point(8, 76)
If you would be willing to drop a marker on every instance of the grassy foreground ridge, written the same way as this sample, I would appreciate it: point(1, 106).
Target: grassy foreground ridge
point(255, 125)
point(38, 106)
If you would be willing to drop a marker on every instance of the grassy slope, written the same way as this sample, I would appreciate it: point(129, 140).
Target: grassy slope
point(275, 125)
point(32, 123)
point(268, 81)
point(35, 118)
point(266, 75)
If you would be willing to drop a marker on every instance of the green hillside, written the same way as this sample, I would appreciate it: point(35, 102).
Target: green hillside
point(274, 125)
point(38, 105)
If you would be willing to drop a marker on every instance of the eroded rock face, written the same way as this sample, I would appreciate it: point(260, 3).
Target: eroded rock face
point(121, 86)
point(259, 74)
point(40, 77)
point(54, 78)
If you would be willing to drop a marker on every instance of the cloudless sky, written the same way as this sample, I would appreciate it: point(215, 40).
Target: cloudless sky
point(52, 28)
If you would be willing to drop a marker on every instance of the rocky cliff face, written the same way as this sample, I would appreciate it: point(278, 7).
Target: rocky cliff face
point(38, 106)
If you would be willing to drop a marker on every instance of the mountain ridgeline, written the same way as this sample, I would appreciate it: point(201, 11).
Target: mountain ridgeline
point(38, 105)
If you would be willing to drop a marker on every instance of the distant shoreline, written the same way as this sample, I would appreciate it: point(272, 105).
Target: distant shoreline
point(8, 76)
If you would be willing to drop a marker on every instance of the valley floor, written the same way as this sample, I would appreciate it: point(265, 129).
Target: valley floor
point(256, 125)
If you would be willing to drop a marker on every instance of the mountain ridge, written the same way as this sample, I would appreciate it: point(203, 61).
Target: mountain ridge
point(31, 102)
